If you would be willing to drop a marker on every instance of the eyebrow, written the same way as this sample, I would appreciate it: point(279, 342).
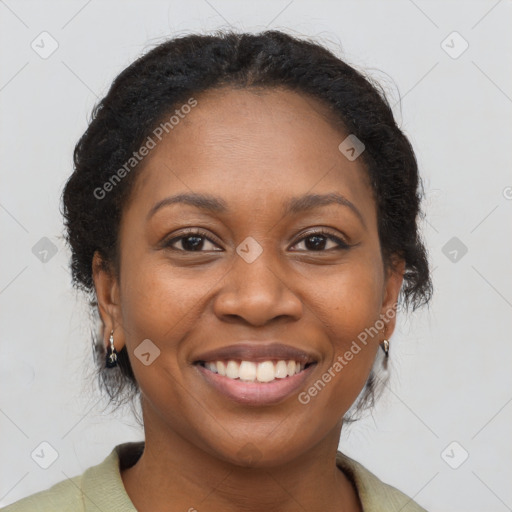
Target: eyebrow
point(203, 201)
point(310, 201)
point(293, 206)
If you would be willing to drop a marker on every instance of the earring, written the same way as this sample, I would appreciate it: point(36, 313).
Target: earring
point(385, 347)
point(111, 361)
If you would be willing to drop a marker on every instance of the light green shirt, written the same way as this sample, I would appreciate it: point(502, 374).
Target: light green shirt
point(100, 488)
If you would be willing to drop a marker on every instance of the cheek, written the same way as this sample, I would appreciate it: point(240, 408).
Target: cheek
point(348, 298)
point(157, 301)
point(161, 304)
point(348, 304)
point(155, 307)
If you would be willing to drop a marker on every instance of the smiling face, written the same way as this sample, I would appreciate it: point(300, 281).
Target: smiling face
point(258, 273)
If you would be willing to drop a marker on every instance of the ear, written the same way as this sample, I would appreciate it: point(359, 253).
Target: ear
point(107, 294)
point(392, 285)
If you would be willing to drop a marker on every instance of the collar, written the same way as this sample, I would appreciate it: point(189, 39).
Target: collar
point(103, 488)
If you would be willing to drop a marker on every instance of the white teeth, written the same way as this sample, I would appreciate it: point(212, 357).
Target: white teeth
point(249, 371)
point(266, 371)
point(281, 370)
point(232, 369)
point(221, 368)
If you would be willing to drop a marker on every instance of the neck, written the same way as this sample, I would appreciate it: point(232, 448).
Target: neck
point(175, 474)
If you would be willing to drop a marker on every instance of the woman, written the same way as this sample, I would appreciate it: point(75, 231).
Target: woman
point(243, 210)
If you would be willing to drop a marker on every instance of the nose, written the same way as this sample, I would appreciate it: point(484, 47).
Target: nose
point(257, 293)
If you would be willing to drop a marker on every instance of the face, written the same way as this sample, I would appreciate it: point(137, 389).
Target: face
point(250, 273)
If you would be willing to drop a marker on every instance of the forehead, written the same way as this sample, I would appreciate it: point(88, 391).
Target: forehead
point(255, 144)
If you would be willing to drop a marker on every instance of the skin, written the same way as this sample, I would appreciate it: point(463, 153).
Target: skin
point(254, 149)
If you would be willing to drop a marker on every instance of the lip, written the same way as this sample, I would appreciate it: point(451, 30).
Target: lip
point(256, 352)
point(255, 393)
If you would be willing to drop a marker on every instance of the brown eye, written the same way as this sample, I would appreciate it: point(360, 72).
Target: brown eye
point(317, 241)
point(192, 241)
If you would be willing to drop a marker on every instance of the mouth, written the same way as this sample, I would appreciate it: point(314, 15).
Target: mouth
point(255, 384)
point(255, 373)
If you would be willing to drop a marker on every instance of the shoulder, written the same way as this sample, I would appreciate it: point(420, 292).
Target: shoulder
point(100, 487)
point(375, 495)
point(63, 495)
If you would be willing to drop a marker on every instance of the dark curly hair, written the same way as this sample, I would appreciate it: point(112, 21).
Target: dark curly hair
point(148, 91)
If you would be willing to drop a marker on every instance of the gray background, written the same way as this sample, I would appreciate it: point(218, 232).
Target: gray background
point(450, 366)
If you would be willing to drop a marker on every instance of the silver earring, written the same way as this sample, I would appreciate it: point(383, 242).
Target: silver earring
point(385, 347)
point(111, 360)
